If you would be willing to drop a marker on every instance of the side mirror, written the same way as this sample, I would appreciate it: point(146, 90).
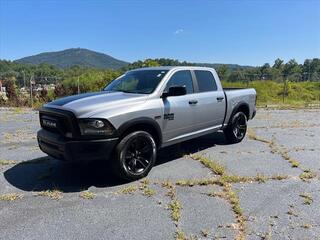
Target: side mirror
point(175, 91)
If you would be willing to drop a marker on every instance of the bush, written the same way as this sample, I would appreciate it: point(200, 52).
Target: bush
point(270, 92)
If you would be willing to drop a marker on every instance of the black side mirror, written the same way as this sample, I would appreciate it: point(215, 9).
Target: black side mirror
point(175, 91)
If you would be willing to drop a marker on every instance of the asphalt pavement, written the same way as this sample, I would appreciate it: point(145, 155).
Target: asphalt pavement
point(266, 187)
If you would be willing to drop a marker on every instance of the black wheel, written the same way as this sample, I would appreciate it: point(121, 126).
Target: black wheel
point(237, 128)
point(135, 155)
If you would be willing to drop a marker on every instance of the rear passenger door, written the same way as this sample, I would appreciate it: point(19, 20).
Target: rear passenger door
point(211, 101)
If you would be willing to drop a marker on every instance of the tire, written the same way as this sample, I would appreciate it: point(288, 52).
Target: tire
point(237, 128)
point(135, 155)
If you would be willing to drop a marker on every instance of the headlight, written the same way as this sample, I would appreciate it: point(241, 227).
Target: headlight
point(95, 127)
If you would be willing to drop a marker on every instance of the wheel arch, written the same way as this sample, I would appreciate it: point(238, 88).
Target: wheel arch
point(241, 107)
point(143, 124)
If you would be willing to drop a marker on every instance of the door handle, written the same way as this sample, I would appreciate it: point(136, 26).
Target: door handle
point(220, 99)
point(193, 102)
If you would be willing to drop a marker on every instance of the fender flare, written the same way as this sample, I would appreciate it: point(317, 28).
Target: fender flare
point(236, 108)
point(139, 121)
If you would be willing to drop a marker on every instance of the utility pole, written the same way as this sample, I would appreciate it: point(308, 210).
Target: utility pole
point(285, 88)
point(309, 72)
point(78, 86)
point(31, 82)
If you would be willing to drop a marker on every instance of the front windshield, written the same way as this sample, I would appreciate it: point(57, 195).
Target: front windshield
point(141, 81)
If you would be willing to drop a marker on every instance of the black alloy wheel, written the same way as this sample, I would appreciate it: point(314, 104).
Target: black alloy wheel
point(237, 128)
point(240, 126)
point(136, 155)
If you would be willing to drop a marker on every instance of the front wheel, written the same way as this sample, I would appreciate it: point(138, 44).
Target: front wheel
point(135, 155)
point(237, 128)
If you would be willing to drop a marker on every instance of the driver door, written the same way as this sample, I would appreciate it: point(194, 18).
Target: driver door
point(179, 112)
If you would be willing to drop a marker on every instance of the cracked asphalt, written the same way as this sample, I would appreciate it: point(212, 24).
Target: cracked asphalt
point(268, 188)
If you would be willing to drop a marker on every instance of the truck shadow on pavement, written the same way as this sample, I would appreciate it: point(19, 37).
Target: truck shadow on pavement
point(47, 173)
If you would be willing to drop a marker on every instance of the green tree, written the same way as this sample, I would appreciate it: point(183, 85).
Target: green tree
point(265, 71)
point(150, 63)
point(236, 76)
point(11, 88)
point(223, 72)
point(278, 63)
point(292, 70)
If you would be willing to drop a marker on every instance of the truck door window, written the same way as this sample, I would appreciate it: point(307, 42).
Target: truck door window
point(181, 78)
point(206, 81)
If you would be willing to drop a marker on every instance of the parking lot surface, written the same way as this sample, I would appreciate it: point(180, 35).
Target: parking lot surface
point(266, 187)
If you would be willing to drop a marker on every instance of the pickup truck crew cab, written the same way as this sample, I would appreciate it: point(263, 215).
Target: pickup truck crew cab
point(141, 111)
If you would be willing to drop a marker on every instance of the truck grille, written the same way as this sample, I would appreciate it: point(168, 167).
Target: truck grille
point(59, 121)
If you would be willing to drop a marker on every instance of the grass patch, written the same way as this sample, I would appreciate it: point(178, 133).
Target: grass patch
point(180, 235)
point(9, 197)
point(284, 154)
point(292, 212)
point(260, 178)
point(218, 194)
point(242, 179)
point(294, 163)
point(171, 193)
point(233, 199)
point(307, 198)
point(129, 189)
point(201, 182)
point(251, 134)
point(148, 192)
point(228, 179)
point(205, 232)
point(234, 179)
point(87, 195)
point(306, 225)
point(6, 162)
point(52, 194)
point(212, 165)
point(175, 207)
point(8, 137)
point(145, 181)
point(307, 175)
point(167, 184)
point(279, 177)
point(171, 189)
point(18, 110)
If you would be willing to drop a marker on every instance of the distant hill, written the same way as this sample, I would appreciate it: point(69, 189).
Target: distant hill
point(87, 58)
point(75, 56)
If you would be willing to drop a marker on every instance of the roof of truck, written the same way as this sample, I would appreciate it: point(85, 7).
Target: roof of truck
point(170, 67)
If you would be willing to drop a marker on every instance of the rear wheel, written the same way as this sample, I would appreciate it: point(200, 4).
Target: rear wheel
point(135, 155)
point(237, 128)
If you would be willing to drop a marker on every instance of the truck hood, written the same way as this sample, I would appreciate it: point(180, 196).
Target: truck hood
point(87, 104)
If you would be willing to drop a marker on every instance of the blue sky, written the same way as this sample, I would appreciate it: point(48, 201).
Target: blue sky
point(243, 32)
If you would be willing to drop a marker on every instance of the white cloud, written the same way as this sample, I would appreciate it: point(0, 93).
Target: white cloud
point(178, 31)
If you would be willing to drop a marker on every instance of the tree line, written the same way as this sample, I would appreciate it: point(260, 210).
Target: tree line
point(69, 81)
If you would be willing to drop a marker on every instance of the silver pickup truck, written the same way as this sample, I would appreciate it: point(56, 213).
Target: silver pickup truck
point(141, 111)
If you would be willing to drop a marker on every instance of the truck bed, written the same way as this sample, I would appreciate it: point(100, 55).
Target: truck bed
point(235, 96)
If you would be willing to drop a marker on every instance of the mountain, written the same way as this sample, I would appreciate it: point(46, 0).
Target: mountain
point(75, 56)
